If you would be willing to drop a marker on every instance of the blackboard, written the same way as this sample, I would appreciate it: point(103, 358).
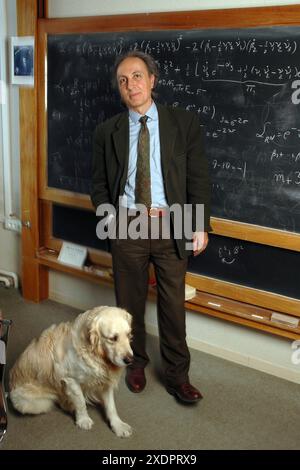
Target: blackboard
point(238, 81)
point(250, 264)
point(76, 226)
point(244, 263)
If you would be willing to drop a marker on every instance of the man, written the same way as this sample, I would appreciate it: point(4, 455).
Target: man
point(168, 142)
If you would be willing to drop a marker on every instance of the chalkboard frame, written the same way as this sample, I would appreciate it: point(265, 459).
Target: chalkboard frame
point(229, 18)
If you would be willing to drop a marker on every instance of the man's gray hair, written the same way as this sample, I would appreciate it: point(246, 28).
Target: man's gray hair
point(146, 58)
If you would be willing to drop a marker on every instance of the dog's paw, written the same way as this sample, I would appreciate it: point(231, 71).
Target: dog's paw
point(84, 422)
point(122, 429)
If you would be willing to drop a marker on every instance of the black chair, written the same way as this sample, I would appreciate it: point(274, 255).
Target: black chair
point(4, 330)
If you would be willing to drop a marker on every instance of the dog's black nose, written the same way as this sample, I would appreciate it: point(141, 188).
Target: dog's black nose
point(128, 360)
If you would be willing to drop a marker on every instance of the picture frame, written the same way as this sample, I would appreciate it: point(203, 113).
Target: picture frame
point(22, 60)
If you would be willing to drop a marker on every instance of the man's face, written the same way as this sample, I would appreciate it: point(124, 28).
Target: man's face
point(135, 84)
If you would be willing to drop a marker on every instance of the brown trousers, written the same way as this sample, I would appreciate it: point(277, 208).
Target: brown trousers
point(131, 260)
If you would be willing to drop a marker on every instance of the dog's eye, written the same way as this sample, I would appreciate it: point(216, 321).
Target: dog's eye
point(112, 339)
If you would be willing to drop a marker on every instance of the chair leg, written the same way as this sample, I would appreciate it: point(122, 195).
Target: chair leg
point(4, 324)
point(3, 414)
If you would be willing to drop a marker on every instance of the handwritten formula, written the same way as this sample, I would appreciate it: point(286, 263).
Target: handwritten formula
point(239, 83)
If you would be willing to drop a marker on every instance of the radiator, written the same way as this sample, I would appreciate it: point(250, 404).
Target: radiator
point(9, 279)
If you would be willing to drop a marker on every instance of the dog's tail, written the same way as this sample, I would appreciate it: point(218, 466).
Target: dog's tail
point(31, 399)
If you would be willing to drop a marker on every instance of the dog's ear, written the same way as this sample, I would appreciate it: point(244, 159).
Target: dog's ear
point(93, 337)
point(92, 334)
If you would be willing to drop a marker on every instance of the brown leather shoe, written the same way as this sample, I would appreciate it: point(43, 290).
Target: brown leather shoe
point(185, 392)
point(135, 379)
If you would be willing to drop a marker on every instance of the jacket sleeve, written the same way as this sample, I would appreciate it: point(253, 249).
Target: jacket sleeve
point(99, 190)
point(198, 179)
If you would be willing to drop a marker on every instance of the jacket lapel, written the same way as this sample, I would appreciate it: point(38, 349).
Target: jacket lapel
point(121, 147)
point(121, 138)
point(167, 135)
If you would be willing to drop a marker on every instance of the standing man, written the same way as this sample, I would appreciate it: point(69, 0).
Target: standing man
point(152, 155)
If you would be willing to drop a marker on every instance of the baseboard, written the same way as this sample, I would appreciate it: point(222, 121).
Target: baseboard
point(238, 358)
point(65, 299)
point(214, 350)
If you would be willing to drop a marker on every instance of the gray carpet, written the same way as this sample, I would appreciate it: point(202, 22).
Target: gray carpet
point(241, 409)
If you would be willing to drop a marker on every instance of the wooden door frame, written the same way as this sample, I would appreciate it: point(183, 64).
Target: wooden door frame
point(35, 280)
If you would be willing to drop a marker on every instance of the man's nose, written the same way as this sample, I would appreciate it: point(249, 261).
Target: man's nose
point(130, 83)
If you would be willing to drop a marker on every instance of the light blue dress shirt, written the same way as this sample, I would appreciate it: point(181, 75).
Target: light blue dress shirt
point(157, 185)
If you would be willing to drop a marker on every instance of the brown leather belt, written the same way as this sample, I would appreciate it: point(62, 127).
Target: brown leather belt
point(151, 212)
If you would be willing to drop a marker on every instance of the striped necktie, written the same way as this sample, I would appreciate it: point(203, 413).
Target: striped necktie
point(143, 176)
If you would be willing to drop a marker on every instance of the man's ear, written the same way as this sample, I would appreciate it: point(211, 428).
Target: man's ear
point(152, 81)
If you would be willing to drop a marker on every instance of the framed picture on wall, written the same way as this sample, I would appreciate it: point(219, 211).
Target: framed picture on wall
point(22, 60)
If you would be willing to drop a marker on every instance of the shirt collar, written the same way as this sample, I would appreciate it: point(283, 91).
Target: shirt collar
point(152, 114)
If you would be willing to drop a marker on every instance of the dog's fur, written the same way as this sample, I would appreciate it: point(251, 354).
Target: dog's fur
point(72, 364)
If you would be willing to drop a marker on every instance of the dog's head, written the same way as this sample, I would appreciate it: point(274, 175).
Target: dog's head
point(109, 333)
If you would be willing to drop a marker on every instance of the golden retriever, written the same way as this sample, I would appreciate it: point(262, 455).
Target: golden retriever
point(72, 364)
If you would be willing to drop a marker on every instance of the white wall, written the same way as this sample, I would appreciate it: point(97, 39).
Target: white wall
point(69, 8)
point(13, 96)
point(9, 147)
point(3, 99)
point(1, 160)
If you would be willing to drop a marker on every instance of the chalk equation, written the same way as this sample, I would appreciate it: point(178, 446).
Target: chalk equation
point(243, 84)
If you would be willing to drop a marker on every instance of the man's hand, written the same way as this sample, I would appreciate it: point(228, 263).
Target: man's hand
point(200, 241)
